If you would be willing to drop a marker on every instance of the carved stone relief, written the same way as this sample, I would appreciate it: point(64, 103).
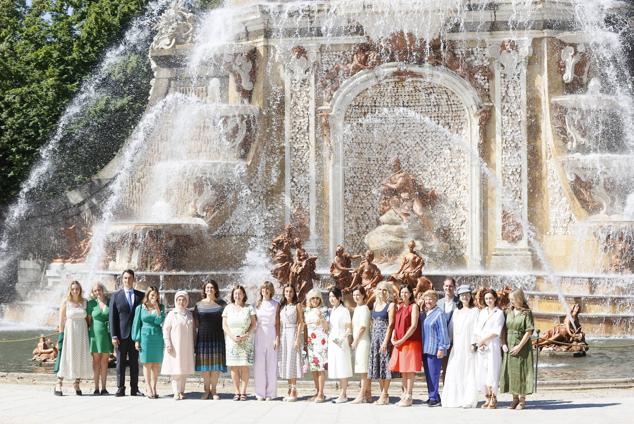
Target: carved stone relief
point(176, 26)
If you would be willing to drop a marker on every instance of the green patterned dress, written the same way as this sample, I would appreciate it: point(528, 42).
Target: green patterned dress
point(517, 374)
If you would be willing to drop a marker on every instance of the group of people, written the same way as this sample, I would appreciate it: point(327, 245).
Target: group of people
point(481, 350)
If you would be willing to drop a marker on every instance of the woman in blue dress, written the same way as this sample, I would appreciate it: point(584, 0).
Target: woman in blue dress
point(147, 334)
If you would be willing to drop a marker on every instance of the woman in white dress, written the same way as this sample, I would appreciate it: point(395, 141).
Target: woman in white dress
point(291, 341)
point(238, 323)
point(489, 355)
point(361, 343)
point(461, 389)
point(339, 360)
point(75, 360)
point(178, 336)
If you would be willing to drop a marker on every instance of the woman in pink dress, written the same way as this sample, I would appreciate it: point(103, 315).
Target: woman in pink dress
point(178, 334)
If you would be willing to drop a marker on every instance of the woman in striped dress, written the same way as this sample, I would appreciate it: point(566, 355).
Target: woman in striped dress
point(210, 338)
point(291, 341)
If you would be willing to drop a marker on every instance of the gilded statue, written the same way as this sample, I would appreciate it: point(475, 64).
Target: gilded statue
point(302, 273)
point(411, 269)
point(341, 267)
point(405, 196)
point(567, 336)
point(281, 254)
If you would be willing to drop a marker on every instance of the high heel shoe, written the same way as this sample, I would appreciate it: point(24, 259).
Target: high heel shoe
point(292, 394)
point(494, 402)
point(57, 390)
point(522, 403)
point(77, 389)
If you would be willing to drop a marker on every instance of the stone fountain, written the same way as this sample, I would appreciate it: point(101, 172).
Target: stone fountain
point(502, 114)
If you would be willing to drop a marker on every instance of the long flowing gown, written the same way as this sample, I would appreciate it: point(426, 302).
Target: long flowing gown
point(461, 389)
point(178, 332)
point(361, 318)
point(339, 359)
point(289, 359)
point(489, 359)
point(517, 373)
point(75, 360)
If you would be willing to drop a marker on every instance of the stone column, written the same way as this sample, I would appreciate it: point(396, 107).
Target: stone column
point(511, 189)
point(300, 149)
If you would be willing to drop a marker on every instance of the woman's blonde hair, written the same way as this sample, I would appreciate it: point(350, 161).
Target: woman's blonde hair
point(69, 296)
point(432, 294)
point(386, 285)
point(270, 287)
point(314, 293)
point(103, 288)
point(520, 299)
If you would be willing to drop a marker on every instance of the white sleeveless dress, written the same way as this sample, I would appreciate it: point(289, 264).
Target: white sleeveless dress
point(75, 360)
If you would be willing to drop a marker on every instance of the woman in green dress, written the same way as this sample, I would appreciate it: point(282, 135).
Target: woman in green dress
point(97, 311)
point(517, 373)
point(147, 334)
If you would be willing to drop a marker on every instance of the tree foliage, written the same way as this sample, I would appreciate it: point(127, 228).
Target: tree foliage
point(47, 49)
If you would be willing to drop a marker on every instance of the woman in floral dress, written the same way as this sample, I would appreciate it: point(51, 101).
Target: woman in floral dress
point(316, 319)
point(238, 323)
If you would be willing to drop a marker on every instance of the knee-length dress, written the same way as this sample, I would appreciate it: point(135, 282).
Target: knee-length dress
point(178, 332)
point(517, 373)
point(289, 359)
point(339, 358)
point(361, 318)
point(489, 359)
point(408, 357)
point(98, 333)
point(210, 339)
point(461, 388)
point(316, 339)
point(378, 364)
point(75, 360)
point(147, 329)
point(239, 321)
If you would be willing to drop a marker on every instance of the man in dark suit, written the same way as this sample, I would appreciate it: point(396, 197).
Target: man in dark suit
point(122, 306)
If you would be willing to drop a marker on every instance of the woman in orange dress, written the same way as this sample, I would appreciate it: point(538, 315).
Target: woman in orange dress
point(407, 353)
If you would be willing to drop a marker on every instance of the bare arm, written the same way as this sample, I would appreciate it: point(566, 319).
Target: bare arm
point(225, 328)
point(62, 317)
point(390, 327)
point(300, 326)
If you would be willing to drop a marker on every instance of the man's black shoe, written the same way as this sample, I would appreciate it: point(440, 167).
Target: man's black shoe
point(120, 392)
point(434, 403)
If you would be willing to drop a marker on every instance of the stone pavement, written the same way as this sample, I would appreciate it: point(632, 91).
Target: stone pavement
point(34, 403)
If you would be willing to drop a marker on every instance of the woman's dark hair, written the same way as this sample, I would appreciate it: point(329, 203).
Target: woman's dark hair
point(361, 290)
point(336, 292)
point(244, 292)
point(409, 289)
point(146, 297)
point(493, 293)
point(295, 299)
point(471, 302)
point(214, 284)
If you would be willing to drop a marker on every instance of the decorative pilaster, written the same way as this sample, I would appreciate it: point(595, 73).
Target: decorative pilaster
point(511, 212)
point(300, 149)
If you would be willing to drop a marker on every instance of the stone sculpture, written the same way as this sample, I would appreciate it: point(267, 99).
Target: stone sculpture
point(175, 27)
point(411, 269)
point(45, 351)
point(366, 275)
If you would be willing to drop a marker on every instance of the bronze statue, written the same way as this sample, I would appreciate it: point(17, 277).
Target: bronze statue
point(302, 273)
point(567, 336)
point(341, 267)
point(405, 196)
point(281, 253)
point(411, 268)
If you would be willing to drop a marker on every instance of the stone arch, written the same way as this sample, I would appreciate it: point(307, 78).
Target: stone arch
point(441, 92)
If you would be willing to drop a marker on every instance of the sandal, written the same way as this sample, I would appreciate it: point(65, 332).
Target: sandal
point(236, 396)
point(243, 396)
point(205, 395)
